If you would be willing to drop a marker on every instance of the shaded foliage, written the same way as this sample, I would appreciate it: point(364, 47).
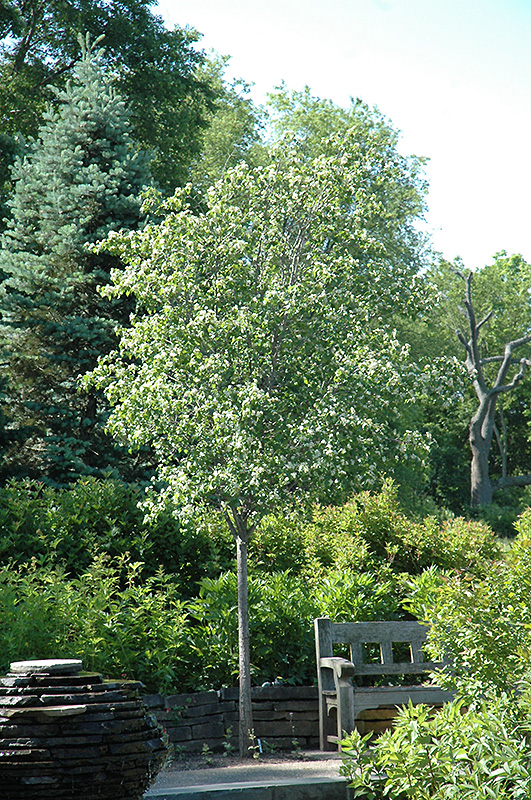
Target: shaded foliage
point(70, 527)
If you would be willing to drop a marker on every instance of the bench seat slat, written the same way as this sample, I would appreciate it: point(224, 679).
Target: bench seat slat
point(397, 668)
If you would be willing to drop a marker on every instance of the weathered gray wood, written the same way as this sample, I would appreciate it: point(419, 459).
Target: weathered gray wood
point(337, 693)
point(397, 668)
point(397, 631)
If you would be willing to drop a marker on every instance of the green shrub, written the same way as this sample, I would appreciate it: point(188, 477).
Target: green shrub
point(351, 596)
point(282, 608)
point(455, 544)
point(412, 546)
point(117, 621)
point(478, 746)
point(278, 545)
point(73, 583)
point(123, 623)
point(301, 546)
point(69, 527)
point(482, 623)
point(482, 752)
point(368, 532)
point(501, 517)
point(280, 629)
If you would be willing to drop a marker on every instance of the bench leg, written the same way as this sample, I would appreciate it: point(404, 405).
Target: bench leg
point(326, 726)
point(346, 716)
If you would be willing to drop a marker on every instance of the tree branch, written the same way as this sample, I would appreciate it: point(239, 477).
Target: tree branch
point(498, 359)
point(511, 480)
point(37, 14)
point(484, 320)
point(462, 338)
point(502, 388)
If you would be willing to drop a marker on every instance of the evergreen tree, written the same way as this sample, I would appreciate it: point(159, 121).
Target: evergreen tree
point(78, 181)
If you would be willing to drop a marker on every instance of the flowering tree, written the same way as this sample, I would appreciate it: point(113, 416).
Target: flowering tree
point(261, 364)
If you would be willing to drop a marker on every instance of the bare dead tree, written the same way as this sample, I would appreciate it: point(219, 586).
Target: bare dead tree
point(483, 426)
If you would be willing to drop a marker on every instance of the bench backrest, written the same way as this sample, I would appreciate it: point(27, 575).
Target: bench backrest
point(410, 635)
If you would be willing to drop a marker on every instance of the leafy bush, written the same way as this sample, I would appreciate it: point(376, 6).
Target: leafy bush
point(300, 546)
point(501, 517)
point(482, 752)
point(482, 624)
point(123, 623)
point(478, 746)
point(117, 621)
point(369, 531)
point(455, 544)
point(75, 585)
point(282, 608)
point(69, 527)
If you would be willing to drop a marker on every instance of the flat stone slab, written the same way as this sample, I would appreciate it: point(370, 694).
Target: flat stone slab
point(49, 666)
point(312, 789)
point(44, 711)
point(312, 776)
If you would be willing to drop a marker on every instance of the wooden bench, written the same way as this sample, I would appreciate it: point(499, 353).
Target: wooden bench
point(341, 700)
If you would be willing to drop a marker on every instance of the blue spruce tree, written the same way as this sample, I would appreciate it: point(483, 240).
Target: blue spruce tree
point(81, 178)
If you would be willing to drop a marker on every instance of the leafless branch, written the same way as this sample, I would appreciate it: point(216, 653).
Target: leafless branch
point(498, 359)
point(484, 320)
point(501, 389)
point(462, 338)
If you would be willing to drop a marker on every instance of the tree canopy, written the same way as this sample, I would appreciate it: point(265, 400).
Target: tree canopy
point(257, 356)
point(260, 365)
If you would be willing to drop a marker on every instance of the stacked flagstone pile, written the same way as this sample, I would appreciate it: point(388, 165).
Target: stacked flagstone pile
point(69, 734)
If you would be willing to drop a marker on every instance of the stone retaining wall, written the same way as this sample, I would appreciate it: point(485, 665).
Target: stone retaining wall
point(285, 718)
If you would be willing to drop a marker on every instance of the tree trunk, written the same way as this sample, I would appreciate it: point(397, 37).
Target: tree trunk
point(480, 483)
point(246, 713)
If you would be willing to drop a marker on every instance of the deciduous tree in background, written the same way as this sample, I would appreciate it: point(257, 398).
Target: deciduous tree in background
point(502, 291)
point(510, 369)
point(234, 129)
point(261, 365)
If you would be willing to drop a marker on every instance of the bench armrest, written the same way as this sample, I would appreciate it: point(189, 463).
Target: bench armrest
point(342, 667)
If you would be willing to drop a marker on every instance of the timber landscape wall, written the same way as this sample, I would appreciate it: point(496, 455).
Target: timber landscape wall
point(285, 718)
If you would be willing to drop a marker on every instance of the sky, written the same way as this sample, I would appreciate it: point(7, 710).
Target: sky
point(454, 76)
